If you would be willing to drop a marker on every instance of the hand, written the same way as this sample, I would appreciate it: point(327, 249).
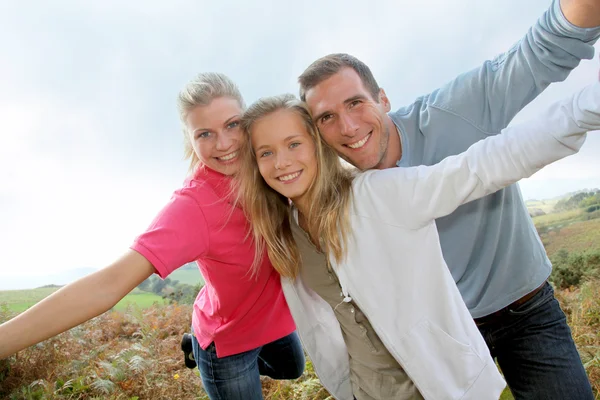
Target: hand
point(581, 13)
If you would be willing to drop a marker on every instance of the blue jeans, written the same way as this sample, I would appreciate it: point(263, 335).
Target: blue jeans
point(237, 377)
point(534, 348)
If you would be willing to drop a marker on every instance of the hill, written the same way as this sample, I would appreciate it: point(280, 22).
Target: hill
point(189, 274)
point(31, 282)
point(547, 205)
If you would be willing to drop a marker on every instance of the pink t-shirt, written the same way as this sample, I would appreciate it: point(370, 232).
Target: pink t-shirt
point(235, 310)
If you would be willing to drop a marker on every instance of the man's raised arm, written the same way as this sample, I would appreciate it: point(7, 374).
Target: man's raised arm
point(491, 95)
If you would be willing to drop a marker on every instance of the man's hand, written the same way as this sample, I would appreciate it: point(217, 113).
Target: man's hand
point(582, 13)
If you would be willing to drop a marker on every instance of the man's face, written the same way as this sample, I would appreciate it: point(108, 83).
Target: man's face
point(350, 120)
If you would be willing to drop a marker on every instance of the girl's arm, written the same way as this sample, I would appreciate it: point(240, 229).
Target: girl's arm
point(415, 196)
point(74, 304)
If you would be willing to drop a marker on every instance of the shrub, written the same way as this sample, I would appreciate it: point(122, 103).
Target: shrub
point(573, 269)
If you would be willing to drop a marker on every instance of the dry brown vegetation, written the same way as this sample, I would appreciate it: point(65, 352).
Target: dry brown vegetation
point(131, 355)
point(136, 355)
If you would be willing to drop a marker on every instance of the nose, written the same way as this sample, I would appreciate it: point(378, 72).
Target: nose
point(347, 125)
point(225, 141)
point(282, 161)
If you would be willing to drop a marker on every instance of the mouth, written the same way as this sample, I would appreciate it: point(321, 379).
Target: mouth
point(289, 178)
point(228, 158)
point(359, 144)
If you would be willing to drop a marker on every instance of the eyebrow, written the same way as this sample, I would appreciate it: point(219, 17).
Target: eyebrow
point(287, 139)
point(348, 100)
point(227, 121)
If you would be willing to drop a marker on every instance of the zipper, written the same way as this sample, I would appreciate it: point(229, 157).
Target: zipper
point(309, 353)
point(384, 339)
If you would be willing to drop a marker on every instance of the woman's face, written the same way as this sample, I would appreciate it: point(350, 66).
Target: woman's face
point(215, 133)
point(285, 153)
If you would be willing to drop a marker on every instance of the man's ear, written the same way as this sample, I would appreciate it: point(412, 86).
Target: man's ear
point(384, 101)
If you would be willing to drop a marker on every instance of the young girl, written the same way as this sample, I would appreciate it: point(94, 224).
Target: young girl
point(378, 311)
point(241, 321)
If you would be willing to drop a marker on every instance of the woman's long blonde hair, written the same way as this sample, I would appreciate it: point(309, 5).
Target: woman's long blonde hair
point(269, 212)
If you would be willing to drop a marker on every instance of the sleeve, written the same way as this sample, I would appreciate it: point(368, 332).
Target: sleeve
point(414, 196)
point(490, 96)
point(178, 235)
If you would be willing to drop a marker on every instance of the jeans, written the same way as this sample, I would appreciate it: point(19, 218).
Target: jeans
point(534, 348)
point(237, 377)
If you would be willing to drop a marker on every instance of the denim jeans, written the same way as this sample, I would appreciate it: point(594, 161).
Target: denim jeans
point(237, 377)
point(535, 350)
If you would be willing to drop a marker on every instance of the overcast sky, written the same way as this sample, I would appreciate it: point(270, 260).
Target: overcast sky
point(90, 142)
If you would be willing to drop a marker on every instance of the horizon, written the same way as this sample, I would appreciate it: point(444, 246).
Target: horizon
point(75, 273)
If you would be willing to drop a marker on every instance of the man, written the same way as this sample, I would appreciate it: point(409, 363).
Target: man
point(490, 245)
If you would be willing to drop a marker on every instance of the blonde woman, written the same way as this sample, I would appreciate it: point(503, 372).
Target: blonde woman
point(378, 312)
point(242, 325)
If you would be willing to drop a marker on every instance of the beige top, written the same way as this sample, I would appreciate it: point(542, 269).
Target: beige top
point(375, 374)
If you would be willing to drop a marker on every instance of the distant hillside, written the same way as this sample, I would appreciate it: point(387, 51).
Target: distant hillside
point(562, 196)
point(31, 282)
point(188, 274)
point(544, 206)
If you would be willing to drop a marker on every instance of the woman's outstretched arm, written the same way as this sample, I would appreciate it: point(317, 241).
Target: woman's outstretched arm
point(75, 303)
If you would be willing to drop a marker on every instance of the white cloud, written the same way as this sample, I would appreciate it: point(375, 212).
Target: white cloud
point(90, 144)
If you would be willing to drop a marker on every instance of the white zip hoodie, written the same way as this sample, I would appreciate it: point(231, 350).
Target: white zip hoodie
point(394, 269)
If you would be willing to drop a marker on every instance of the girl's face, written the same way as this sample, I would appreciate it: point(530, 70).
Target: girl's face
point(215, 133)
point(285, 153)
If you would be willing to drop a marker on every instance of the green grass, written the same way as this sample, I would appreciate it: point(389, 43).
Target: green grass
point(141, 299)
point(546, 206)
point(20, 300)
point(506, 395)
point(577, 237)
point(556, 219)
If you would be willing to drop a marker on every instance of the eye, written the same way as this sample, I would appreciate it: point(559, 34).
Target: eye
point(354, 103)
point(265, 154)
point(232, 124)
point(202, 135)
point(325, 118)
point(294, 145)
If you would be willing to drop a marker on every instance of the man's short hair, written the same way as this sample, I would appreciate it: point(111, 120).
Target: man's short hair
point(327, 66)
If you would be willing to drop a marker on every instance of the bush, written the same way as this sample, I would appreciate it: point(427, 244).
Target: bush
point(575, 268)
point(593, 208)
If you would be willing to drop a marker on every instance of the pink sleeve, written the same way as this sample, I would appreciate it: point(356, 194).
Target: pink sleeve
point(178, 235)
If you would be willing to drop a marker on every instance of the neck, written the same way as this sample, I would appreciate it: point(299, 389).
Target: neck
point(301, 205)
point(393, 153)
point(303, 224)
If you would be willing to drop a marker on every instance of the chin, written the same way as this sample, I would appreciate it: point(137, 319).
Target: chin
point(229, 170)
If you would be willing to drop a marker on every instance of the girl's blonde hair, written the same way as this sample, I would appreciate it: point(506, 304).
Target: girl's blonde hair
point(269, 212)
point(201, 91)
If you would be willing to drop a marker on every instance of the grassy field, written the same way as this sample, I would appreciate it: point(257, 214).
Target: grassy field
point(570, 230)
point(545, 205)
point(141, 299)
point(558, 219)
point(577, 237)
point(20, 300)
